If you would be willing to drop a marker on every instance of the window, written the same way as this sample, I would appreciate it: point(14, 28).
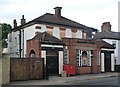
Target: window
point(50, 29)
point(62, 32)
point(10, 37)
point(74, 33)
point(83, 58)
point(114, 43)
point(66, 58)
point(37, 27)
point(84, 35)
point(98, 58)
point(89, 58)
point(78, 57)
point(15, 41)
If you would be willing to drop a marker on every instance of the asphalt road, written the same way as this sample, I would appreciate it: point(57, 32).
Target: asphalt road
point(100, 81)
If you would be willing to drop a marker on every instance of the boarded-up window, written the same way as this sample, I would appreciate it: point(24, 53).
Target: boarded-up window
point(84, 35)
point(62, 32)
point(50, 29)
point(74, 33)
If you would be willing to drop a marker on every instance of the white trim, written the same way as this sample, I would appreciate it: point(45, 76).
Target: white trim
point(112, 62)
point(107, 49)
point(43, 55)
point(44, 45)
point(102, 62)
point(60, 62)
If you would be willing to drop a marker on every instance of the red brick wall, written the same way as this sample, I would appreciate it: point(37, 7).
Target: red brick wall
point(72, 46)
point(83, 70)
point(34, 45)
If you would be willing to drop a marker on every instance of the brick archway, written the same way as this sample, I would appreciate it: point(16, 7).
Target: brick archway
point(32, 53)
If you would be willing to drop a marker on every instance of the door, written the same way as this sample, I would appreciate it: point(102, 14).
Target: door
point(107, 61)
point(36, 68)
point(52, 65)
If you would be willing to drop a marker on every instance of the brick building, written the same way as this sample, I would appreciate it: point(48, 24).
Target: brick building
point(59, 41)
point(84, 54)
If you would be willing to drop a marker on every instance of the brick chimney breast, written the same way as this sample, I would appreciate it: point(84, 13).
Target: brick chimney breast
point(106, 27)
point(58, 11)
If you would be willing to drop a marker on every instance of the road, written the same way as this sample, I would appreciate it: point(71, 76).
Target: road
point(100, 81)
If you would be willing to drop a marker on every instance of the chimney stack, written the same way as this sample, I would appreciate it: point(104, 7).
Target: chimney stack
point(106, 27)
point(23, 21)
point(14, 23)
point(58, 11)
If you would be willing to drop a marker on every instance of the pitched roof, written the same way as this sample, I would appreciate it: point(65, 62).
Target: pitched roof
point(104, 44)
point(46, 38)
point(60, 21)
point(107, 35)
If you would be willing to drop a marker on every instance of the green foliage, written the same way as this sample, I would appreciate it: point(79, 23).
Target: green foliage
point(6, 28)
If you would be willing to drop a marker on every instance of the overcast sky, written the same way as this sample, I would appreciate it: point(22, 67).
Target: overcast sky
point(91, 13)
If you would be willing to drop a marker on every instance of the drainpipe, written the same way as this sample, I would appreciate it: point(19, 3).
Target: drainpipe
point(20, 43)
point(23, 43)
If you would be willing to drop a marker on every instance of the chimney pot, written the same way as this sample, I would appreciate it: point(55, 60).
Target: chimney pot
point(23, 20)
point(14, 23)
point(58, 11)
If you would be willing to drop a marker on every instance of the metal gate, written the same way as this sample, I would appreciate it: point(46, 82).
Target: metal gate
point(52, 65)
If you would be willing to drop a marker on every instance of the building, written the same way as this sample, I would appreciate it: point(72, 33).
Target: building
point(112, 38)
point(59, 41)
point(54, 24)
point(48, 47)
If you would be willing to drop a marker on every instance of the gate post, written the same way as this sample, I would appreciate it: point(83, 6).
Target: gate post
point(5, 69)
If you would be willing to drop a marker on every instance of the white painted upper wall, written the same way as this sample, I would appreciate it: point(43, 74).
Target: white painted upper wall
point(13, 44)
point(29, 32)
point(56, 32)
point(117, 49)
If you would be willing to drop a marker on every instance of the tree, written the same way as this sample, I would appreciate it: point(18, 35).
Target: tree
point(6, 28)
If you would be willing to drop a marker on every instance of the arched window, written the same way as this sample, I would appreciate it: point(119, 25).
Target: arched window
point(84, 58)
point(32, 53)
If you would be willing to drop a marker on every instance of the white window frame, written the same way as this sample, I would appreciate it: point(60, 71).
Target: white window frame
point(79, 57)
point(66, 56)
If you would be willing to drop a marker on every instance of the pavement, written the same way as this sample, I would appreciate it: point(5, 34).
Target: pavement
point(56, 80)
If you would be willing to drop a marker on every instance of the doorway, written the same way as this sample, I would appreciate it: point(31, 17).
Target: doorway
point(52, 62)
point(107, 61)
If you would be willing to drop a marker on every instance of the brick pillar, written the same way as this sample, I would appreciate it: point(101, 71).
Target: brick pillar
point(94, 62)
point(34, 45)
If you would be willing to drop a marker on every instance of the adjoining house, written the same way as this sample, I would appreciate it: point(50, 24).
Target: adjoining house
point(112, 38)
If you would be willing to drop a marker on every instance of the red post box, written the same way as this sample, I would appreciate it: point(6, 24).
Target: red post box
point(70, 69)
